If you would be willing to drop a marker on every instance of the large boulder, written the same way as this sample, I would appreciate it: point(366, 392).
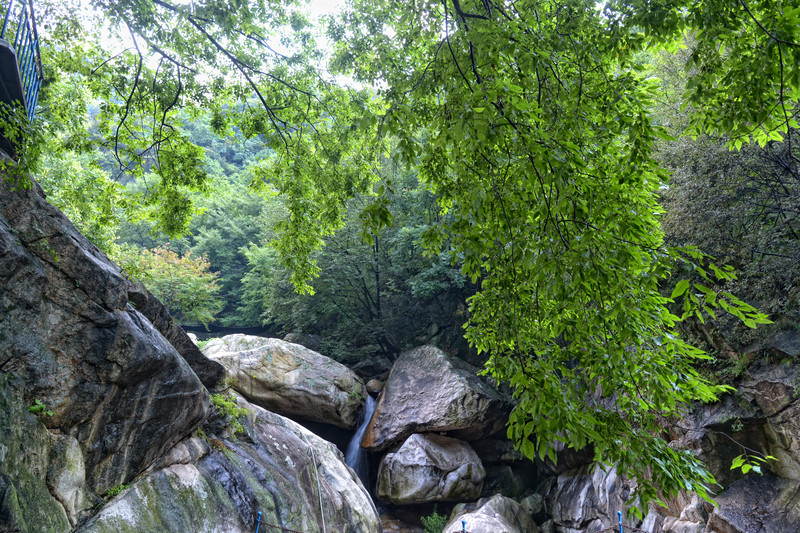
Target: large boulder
point(25, 448)
point(497, 514)
point(757, 504)
point(209, 372)
point(113, 383)
point(290, 379)
point(763, 415)
point(428, 390)
point(429, 468)
point(279, 469)
point(587, 499)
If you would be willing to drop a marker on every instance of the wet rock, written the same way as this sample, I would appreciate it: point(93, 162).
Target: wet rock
point(374, 386)
point(584, 500)
point(429, 468)
point(112, 381)
point(66, 476)
point(373, 367)
point(429, 391)
point(209, 372)
point(280, 474)
point(290, 379)
point(26, 505)
point(188, 451)
point(312, 342)
point(497, 514)
point(757, 504)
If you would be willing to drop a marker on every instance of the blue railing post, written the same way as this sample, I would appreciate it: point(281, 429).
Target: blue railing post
point(22, 24)
point(619, 515)
point(258, 522)
point(26, 49)
point(5, 22)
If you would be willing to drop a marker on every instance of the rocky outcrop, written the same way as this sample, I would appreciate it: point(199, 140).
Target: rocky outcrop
point(428, 468)
point(26, 504)
point(279, 469)
point(290, 379)
point(114, 384)
point(588, 500)
point(757, 504)
point(428, 390)
point(209, 372)
point(497, 514)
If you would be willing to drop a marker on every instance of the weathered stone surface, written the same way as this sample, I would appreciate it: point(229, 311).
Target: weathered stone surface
point(112, 381)
point(580, 500)
point(785, 343)
point(373, 367)
point(188, 451)
point(280, 474)
point(233, 343)
point(392, 524)
point(209, 372)
point(66, 476)
point(429, 391)
point(533, 504)
point(312, 342)
point(26, 505)
point(772, 387)
point(496, 451)
point(428, 468)
point(290, 379)
point(757, 504)
point(506, 480)
point(691, 518)
point(374, 386)
point(497, 514)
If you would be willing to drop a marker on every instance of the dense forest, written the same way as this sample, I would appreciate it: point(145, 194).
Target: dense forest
point(567, 193)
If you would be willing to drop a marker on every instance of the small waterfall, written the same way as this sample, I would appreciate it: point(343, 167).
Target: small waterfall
point(355, 457)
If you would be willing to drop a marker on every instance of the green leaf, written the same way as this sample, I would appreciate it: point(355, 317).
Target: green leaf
point(680, 288)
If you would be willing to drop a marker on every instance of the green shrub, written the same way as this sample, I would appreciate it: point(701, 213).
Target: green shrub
point(434, 522)
point(230, 409)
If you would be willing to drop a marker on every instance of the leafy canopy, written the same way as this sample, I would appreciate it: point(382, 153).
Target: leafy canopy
point(530, 123)
point(539, 146)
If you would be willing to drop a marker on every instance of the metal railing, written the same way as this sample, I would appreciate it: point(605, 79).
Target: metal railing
point(21, 20)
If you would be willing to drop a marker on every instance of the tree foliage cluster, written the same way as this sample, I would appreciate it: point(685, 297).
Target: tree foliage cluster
point(530, 124)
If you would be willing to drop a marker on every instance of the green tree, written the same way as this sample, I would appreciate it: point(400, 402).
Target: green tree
point(183, 284)
point(540, 150)
point(376, 292)
point(538, 145)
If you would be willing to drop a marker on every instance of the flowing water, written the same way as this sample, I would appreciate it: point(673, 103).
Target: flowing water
point(356, 457)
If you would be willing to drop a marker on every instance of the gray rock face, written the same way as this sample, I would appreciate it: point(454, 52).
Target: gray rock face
point(429, 391)
point(25, 502)
point(497, 514)
point(114, 383)
point(757, 504)
point(209, 372)
point(580, 500)
point(280, 474)
point(429, 468)
point(290, 379)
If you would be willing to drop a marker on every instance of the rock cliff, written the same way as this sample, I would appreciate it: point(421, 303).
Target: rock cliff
point(100, 390)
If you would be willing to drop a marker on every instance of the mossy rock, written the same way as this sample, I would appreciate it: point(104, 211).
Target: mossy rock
point(26, 505)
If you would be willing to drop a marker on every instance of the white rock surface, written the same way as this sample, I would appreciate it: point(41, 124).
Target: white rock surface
point(428, 468)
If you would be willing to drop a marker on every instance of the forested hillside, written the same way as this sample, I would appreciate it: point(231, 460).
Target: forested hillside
point(532, 175)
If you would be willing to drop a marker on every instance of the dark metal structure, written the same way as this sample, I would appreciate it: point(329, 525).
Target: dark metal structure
point(20, 62)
